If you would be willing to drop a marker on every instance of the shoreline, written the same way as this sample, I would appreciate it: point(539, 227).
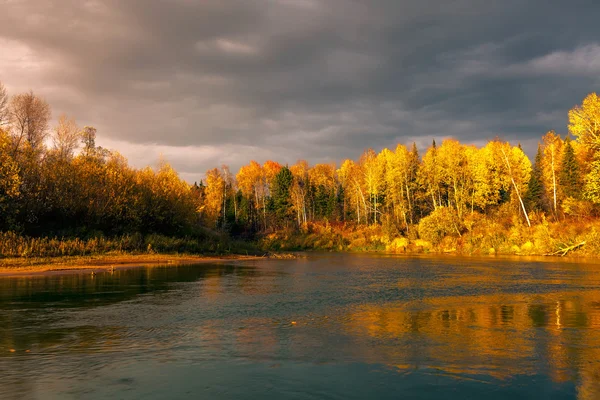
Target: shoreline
point(12, 267)
point(22, 267)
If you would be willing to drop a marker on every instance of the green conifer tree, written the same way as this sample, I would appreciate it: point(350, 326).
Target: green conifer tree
point(535, 188)
point(281, 194)
point(569, 174)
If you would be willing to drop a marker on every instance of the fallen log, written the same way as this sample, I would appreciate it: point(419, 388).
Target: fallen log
point(563, 251)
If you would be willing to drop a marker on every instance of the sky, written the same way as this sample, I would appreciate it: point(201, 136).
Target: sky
point(209, 82)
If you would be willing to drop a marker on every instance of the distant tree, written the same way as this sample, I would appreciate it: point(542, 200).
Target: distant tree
point(30, 116)
point(88, 139)
point(4, 111)
point(66, 137)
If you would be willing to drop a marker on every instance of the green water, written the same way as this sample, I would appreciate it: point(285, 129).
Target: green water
point(326, 327)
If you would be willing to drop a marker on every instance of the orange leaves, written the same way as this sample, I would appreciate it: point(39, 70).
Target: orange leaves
point(249, 178)
point(323, 174)
point(270, 169)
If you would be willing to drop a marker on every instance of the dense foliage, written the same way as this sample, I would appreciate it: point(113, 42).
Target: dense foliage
point(58, 183)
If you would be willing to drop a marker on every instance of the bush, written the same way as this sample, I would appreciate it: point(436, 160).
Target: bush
point(440, 223)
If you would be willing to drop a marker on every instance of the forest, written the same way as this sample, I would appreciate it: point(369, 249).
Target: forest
point(61, 194)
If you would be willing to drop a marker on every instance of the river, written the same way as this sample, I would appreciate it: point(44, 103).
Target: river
point(331, 326)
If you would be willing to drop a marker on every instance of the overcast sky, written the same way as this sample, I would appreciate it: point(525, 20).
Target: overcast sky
point(211, 82)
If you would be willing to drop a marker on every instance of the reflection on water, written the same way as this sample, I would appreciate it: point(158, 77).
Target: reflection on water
point(335, 326)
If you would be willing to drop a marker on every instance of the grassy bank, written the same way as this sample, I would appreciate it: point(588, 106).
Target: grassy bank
point(473, 236)
point(14, 246)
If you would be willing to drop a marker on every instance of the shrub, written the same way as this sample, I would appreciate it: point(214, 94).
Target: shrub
point(441, 222)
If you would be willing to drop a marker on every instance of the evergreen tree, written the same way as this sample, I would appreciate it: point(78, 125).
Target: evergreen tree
point(536, 191)
point(280, 195)
point(569, 173)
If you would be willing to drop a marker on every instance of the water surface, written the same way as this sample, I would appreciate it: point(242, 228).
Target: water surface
point(326, 327)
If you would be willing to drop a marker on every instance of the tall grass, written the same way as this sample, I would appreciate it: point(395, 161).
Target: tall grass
point(15, 245)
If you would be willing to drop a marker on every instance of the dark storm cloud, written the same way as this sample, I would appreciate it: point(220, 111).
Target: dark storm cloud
point(222, 81)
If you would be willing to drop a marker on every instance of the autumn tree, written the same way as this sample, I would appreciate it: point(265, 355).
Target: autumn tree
point(394, 166)
point(412, 182)
point(399, 170)
point(515, 169)
point(455, 174)
point(4, 111)
point(584, 121)
point(486, 177)
point(30, 116)
point(88, 139)
point(373, 173)
point(552, 154)
point(352, 182)
point(251, 183)
point(430, 175)
point(214, 196)
point(66, 136)
point(9, 176)
point(592, 183)
point(230, 200)
point(322, 190)
point(299, 190)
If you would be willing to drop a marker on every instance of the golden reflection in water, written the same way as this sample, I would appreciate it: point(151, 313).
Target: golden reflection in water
point(501, 335)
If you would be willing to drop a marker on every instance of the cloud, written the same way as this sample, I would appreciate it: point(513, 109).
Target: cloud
point(225, 81)
point(584, 60)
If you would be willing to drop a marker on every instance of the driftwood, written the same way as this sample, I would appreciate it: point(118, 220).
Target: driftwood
point(564, 250)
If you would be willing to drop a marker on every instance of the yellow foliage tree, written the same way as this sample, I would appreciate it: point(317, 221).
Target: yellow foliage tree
point(299, 190)
point(213, 200)
point(9, 171)
point(584, 121)
point(515, 171)
point(352, 181)
point(552, 146)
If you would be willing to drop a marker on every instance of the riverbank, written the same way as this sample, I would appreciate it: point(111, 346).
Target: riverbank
point(577, 239)
point(101, 263)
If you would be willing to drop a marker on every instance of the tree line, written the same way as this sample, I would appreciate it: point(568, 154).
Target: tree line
point(399, 187)
point(57, 181)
